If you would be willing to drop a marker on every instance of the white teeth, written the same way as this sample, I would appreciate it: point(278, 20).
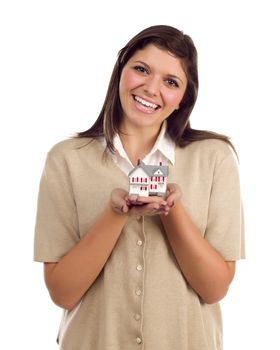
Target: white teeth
point(145, 103)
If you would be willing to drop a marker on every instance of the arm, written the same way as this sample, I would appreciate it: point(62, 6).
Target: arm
point(202, 266)
point(208, 262)
point(68, 279)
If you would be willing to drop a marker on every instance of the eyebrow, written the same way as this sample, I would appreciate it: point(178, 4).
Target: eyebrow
point(169, 75)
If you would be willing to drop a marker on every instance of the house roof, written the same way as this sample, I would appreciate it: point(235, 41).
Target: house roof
point(151, 170)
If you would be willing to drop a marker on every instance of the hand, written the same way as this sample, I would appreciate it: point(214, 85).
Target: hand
point(154, 205)
point(132, 205)
point(173, 194)
point(118, 201)
point(151, 205)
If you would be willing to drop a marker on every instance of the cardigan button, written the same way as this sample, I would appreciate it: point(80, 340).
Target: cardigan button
point(138, 340)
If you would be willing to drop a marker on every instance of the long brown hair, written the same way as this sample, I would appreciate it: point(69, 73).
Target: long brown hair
point(178, 123)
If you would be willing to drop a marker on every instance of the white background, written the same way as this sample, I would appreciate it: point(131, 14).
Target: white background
point(56, 60)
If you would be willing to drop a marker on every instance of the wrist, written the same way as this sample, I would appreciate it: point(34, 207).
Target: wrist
point(116, 213)
point(174, 209)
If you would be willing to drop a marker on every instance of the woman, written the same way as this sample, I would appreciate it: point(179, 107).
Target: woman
point(142, 272)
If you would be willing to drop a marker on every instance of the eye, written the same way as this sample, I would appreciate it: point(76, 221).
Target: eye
point(172, 83)
point(141, 69)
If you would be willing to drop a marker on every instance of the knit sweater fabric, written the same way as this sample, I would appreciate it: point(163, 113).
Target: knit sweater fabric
point(140, 300)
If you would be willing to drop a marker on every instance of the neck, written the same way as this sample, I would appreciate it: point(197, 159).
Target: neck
point(138, 143)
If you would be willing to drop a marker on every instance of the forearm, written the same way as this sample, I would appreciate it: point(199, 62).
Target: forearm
point(71, 277)
point(202, 266)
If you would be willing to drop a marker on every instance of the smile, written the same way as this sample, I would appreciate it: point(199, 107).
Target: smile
point(149, 105)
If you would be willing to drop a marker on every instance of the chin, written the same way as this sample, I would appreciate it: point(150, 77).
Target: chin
point(145, 122)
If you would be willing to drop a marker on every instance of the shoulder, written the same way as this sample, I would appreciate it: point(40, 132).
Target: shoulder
point(206, 156)
point(211, 146)
point(68, 147)
point(212, 150)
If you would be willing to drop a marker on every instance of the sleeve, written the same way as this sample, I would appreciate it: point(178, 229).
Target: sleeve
point(225, 225)
point(56, 229)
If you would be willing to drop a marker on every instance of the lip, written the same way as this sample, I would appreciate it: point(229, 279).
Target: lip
point(148, 100)
point(139, 107)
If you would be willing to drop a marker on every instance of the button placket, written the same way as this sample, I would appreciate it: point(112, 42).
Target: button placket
point(140, 270)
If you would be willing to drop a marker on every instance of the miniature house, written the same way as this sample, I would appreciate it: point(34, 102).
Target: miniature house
point(148, 180)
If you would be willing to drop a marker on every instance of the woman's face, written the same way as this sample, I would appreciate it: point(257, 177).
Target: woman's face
point(151, 87)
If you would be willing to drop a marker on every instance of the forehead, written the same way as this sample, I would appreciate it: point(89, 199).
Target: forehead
point(159, 59)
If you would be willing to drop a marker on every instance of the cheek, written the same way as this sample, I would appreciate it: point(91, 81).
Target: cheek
point(173, 98)
point(129, 80)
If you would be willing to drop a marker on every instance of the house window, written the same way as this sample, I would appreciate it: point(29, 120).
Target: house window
point(133, 179)
point(155, 187)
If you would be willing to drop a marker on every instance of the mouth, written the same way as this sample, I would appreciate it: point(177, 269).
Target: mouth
point(149, 106)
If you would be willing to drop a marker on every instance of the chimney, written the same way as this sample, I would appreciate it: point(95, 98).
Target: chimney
point(160, 163)
point(138, 163)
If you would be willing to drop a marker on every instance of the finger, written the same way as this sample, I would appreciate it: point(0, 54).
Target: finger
point(133, 200)
point(151, 199)
point(145, 209)
point(174, 194)
point(171, 203)
point(125, 209)
point(172, 187)
point(132, 197)
point(164, 209)
point(132, 203)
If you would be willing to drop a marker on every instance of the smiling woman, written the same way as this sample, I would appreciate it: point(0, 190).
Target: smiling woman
point(146, 86)
point(142, 271)
point(178, 46)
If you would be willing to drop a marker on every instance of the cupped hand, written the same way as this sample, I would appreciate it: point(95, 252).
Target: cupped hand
point(173, 194)
point(152, 205)
point(134, 205)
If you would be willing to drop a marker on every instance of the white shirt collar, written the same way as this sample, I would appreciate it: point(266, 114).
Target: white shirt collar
point(163, 144)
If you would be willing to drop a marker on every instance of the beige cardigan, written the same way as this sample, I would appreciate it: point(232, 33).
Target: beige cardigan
point(140, 300)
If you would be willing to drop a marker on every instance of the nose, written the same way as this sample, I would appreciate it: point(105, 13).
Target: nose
point(152, 86)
